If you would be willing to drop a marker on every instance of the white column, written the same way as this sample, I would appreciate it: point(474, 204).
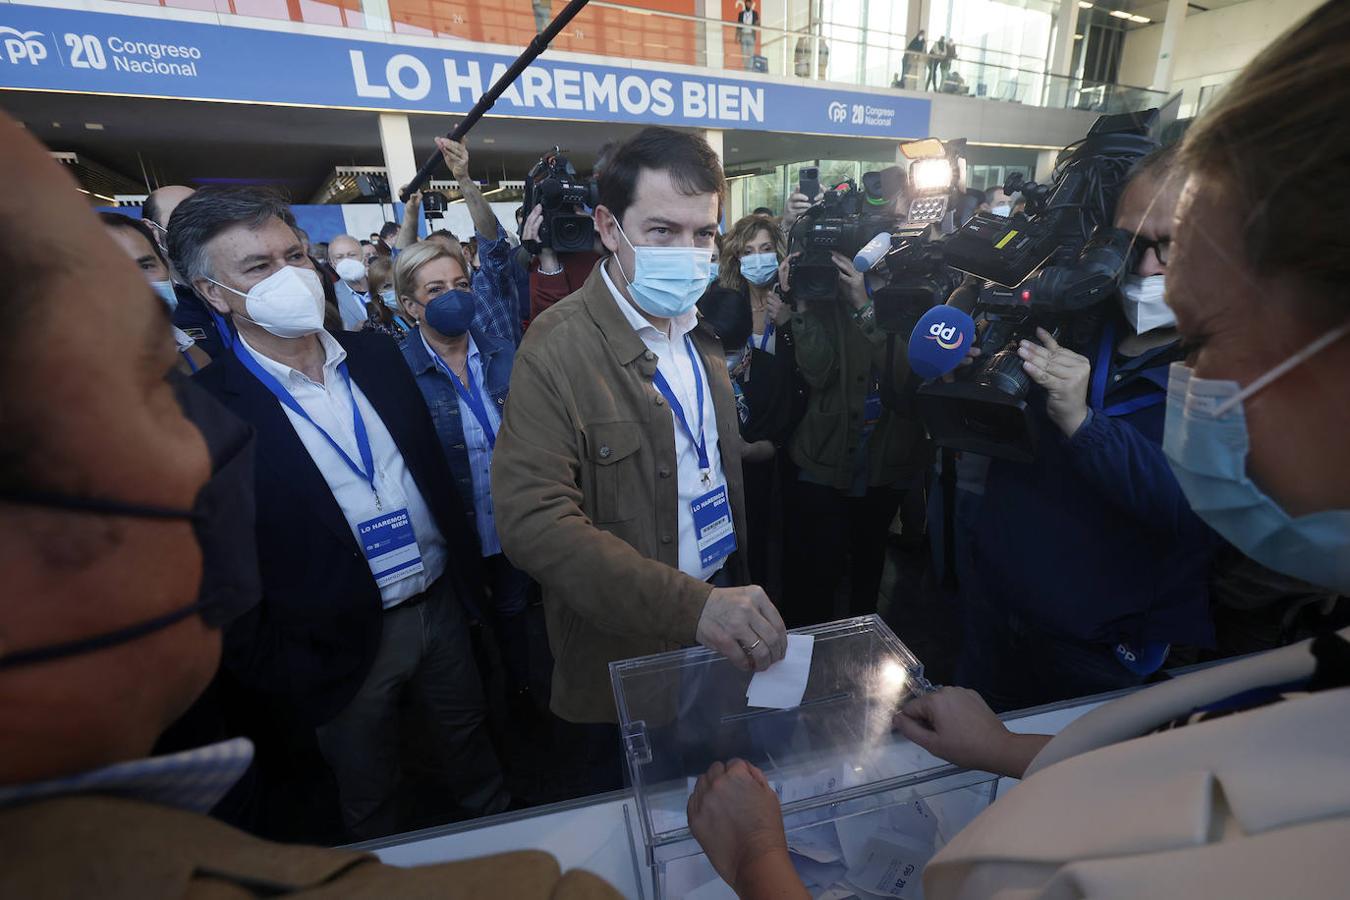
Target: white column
point(714, 138)
point(376, 13)
point(399, 159)
point(1176, 17)
point(1066, 23)
point(710, 10)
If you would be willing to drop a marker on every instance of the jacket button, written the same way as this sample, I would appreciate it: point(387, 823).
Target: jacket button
point(649, 355)
point(665, 539)
point(659, 401)
point(501, 401)
point(604, 451)
point(664, 473)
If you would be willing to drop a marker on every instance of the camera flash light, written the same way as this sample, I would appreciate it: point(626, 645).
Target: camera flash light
point(931, 174)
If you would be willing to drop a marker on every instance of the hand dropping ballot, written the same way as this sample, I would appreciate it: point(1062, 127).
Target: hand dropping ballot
point(782, 685)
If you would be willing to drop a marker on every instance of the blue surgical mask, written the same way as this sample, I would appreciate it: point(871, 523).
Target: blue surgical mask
point(712, 272)
point(759, 268)
point(1206, 441)
point(667, 281)
point(451, 312)
point(166, 293)
point(390, 299)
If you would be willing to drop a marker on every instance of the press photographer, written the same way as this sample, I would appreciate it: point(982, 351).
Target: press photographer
point(1088, 562)
point(854, 451)
point(558, 227)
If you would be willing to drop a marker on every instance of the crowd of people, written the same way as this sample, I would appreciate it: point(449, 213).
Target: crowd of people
point(276, 558)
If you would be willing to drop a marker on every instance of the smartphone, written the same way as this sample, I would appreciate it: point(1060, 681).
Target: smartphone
point(808, 181)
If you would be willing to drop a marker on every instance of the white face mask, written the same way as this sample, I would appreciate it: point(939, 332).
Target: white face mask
point(287, 303)
point(1141, 296)
point(350, 269)
point(1002, 209)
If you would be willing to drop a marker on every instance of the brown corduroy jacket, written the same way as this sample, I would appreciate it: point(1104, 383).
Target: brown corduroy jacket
point(112, 848)
point(584, 487)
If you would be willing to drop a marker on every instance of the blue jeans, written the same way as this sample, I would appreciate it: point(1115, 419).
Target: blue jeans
point(1015, 664)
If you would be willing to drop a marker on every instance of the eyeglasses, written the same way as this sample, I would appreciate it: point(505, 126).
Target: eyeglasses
point(1162, 248)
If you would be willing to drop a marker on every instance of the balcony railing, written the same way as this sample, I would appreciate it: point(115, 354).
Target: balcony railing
point(650, 30)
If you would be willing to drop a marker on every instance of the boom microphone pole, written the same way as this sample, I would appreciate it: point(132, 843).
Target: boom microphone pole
point(538, 44)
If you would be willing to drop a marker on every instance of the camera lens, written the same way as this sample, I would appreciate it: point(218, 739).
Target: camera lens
point(1004, 374)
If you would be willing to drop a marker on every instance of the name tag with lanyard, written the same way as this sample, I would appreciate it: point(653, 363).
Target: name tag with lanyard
point(711, 510)
point(387, 540)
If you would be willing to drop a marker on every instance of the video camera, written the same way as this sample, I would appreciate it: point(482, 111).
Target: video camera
point(913, 262)
point(844, 220)
point(553, 184)
point(1050, 267)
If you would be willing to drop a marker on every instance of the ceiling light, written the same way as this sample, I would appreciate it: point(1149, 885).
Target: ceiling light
point(734, 149)
point(1083, 4)
point(1120, 14)
point(1077, 37)
point(93, 126)
point(489, 140)
point(56, 124)
point(1142, 20)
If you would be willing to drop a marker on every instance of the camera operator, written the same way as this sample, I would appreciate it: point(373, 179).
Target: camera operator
point(853, 451)
point(1088, 562)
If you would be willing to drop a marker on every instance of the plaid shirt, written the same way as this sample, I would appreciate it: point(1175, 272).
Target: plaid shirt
point(193, 780)
point(494, 289)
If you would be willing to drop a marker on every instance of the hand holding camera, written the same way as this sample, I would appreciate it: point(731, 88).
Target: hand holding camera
point(1064, 375)
point(548, 260)
point(852, 283)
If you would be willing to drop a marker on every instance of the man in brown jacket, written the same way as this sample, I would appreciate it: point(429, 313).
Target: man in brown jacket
point(617, 472)
point(125, 504)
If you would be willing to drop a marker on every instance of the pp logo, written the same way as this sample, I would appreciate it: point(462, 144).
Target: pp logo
point(943, 334)
point(838, 112)
point(23, 45)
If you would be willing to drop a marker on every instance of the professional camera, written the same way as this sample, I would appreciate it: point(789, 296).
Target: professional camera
point(914, 266)
point(843, 221)
point(1050, 267)
point(553, 184)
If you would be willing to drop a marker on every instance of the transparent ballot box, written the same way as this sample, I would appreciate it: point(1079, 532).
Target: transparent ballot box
point(864, 808)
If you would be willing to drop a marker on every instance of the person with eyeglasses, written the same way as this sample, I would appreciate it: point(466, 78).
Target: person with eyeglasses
point(1087, 564)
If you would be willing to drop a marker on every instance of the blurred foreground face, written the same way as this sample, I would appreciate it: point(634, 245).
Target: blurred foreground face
point(1240, 325)
point(86, 412)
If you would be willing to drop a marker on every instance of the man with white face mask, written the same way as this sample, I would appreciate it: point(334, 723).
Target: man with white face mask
point(346, 256)
point(617, 470)
point(362, 543)
point(1087, 563)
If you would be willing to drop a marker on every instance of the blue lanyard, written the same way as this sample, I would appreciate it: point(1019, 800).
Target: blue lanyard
point(188, 356)
point(223, 327)
point(469, 395)
point(1101, 372)
point(699, 442)
point(764, 338)
point(367, 469)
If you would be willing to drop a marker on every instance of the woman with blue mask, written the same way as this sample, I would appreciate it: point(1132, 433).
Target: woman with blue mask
point(137, 242)
point(751, 320)
point(464, 374)
point(1230, 781)
point(754, 250)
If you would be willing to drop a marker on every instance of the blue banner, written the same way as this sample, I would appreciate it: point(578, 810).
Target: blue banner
point(67, 50)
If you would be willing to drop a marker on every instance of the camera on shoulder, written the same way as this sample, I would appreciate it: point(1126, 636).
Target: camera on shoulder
point(565, 198)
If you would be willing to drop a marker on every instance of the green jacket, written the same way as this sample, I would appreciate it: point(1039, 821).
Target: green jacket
point(837, 350)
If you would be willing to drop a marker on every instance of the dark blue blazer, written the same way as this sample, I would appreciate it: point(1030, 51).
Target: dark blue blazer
point(193, 316)
point(307, 647)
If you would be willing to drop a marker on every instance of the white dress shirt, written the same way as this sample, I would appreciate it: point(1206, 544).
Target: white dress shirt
point(330, 406)
point(673, 362)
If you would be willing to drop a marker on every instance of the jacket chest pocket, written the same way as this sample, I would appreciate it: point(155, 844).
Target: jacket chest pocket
point(612, 451)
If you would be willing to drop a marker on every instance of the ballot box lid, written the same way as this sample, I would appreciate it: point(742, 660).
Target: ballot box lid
point(829, 755)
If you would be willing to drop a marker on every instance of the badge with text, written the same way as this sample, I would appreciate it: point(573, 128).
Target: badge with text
point(390, 547)
point(712, 524)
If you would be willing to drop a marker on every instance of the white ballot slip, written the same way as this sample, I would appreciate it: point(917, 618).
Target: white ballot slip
point(892, 866)
point(782, 685)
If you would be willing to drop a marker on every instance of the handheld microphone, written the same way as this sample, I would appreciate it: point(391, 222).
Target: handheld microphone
point(872, 251)
point(939, 342)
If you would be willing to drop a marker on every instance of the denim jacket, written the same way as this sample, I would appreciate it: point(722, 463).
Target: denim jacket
point(443, 401)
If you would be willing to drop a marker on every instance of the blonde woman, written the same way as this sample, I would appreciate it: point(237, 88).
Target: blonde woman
point(751, 253)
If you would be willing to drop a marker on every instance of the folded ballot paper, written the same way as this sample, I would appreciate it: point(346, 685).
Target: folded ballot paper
point(782, 685)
